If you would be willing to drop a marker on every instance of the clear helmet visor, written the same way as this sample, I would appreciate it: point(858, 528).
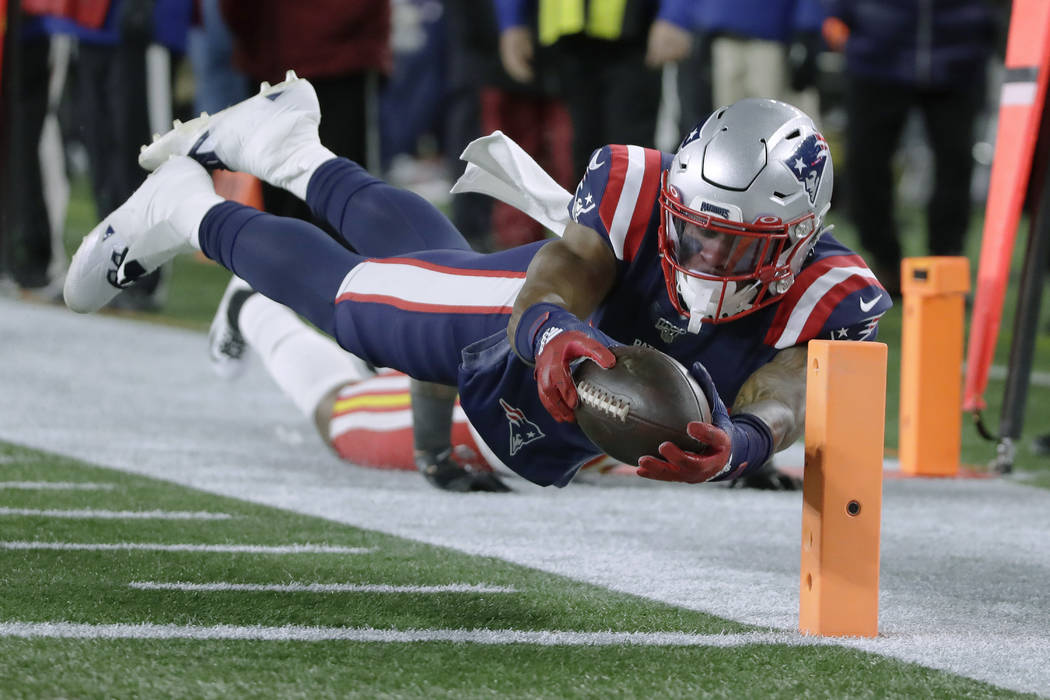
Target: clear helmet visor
point(716, 251)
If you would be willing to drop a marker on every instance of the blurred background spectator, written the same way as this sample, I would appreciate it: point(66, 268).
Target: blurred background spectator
point(448, 87)
point(484, 98)
point(903, 55)
point(411, 99)
point(764, 48)
point(693, 77)
point(30, 255)
point(112, 108)
point(209, 47)
point(343, 48)
point(608, 56)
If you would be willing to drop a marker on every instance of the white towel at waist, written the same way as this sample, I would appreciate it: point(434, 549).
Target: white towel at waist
point(500, 168)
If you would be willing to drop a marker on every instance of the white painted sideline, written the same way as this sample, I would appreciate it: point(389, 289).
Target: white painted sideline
point(223, 586)
point(55, 486)
point(296, 633)
point(118, 514)
point(224, 548)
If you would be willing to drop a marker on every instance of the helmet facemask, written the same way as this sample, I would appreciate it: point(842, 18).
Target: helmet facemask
point(724, 269)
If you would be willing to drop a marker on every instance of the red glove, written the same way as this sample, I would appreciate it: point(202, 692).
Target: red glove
point(691, 467)
point(554, 376)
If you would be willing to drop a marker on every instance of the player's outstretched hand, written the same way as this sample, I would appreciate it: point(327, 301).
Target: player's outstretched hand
point(691, 467)
point(554, 370)
point(714, 455)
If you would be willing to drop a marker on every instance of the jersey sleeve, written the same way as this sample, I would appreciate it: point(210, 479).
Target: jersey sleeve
point(836, 297)
point(618, 196)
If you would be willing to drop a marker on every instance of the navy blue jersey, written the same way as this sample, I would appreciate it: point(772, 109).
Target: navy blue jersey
point(441, 315)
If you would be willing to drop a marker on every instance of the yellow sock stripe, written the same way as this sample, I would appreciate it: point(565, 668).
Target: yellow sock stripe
point(368, 401)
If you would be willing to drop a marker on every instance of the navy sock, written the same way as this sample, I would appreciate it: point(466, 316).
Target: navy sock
point(377, 219)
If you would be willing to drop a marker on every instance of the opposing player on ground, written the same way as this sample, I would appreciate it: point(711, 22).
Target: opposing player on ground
point(716, 255)
point(364, 416)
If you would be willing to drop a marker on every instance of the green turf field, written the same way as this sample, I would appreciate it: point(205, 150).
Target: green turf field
point(196, 287)
point(97, 622)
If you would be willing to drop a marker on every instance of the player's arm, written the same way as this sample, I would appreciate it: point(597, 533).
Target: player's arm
point(574, 272)
point(776, 394)
point(564, 284)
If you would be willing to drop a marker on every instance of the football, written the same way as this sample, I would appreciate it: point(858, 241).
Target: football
point(645, 399)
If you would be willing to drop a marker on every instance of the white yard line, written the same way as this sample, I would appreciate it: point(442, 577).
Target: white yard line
point(55, 486)
point(220, 548)
point(296, 633)
point(223, 586)
point(92, 513)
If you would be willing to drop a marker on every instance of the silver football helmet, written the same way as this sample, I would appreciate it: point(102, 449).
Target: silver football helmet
point(742, 205)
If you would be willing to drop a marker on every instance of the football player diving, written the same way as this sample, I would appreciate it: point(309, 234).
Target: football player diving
point(717, 255)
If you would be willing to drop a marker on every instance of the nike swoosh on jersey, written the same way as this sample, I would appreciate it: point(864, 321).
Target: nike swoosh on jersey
point(595, 164)
point(866, 306)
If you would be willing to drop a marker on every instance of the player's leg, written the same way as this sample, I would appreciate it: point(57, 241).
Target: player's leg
point(417, 313)
point(432, 450)
point(176, 210)
point(274, 136)
point(412, 315)
point(376, 218)
point(313, 372)
point(308, 367)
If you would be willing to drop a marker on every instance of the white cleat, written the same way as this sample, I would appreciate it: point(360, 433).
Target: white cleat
point(227, 348)
point(272, 135)
point(150, 228)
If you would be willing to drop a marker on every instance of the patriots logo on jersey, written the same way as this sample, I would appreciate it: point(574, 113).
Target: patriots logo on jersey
point(807, 163)
point(865, 330)
point(522, 430)
point(582, 203)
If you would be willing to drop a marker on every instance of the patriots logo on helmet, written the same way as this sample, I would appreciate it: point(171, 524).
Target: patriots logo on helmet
point(522, 430)
point(807, 163)
point(690, 137)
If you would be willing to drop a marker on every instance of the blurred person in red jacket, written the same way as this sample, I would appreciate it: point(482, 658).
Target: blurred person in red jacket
point(342, 47)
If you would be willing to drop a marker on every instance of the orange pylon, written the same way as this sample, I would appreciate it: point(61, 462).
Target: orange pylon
point(934, 292)
point(842, 488)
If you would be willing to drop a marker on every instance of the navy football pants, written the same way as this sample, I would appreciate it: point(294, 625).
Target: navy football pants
point(414, 313)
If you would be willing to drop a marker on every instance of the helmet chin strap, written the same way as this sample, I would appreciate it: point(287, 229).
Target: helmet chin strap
point(697, 297)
